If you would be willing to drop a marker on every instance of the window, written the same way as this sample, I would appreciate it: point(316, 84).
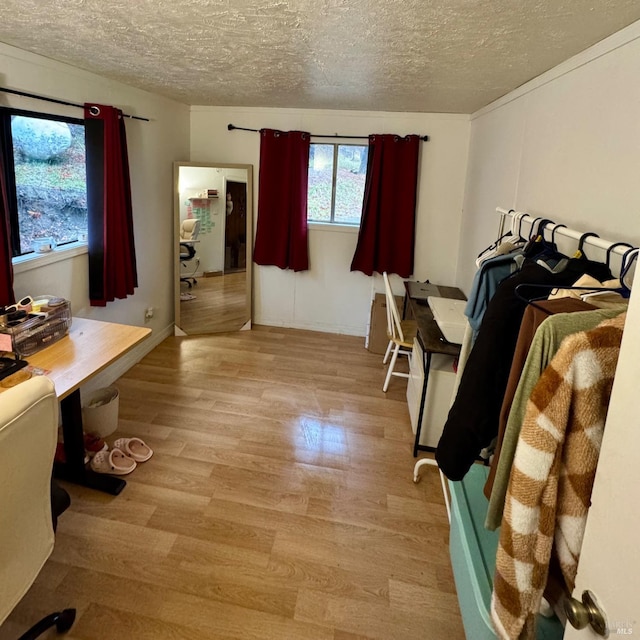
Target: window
point(44, 157)
point(337, 174)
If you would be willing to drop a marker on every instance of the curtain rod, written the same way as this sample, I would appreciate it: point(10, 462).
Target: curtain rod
point(64, 102)
point(231, 127)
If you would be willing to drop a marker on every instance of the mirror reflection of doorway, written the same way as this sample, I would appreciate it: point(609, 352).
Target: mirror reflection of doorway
point(235, 233)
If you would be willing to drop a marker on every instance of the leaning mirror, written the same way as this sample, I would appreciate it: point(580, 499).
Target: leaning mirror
point(212, 247)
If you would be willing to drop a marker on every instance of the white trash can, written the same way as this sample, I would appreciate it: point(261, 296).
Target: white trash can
point(100, 412)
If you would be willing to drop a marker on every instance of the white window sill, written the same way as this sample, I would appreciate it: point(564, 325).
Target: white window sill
point(35, 261)
point(333, 226)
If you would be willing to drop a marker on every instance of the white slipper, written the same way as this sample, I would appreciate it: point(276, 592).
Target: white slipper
point(114, 462)
point(134, 448)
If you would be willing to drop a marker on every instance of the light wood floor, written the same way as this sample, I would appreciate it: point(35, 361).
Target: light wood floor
point(279, 504)
point(220, 304)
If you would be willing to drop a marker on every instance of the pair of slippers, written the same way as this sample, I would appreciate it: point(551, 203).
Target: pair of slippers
point(123, 458)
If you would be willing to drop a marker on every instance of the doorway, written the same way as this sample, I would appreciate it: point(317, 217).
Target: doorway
point(235, 232)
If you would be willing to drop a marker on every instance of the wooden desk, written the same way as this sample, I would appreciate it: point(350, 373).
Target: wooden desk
point(90, 347)
point(432, 341)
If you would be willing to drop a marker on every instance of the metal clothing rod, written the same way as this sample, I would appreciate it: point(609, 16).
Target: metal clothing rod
point(527, 218)
point(232, 127)
point(64, 102)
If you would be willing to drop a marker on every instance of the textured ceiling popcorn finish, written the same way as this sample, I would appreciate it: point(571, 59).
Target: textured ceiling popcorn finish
point(410, 55)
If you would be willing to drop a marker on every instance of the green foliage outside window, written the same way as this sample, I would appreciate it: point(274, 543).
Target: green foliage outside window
point(337, 174)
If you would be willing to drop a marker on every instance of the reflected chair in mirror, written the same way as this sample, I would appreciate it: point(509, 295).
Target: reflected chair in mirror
point(400, 333)
point(30, 501)
point(189, 230)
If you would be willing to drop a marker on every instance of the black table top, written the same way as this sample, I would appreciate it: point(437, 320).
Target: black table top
point(429, 332)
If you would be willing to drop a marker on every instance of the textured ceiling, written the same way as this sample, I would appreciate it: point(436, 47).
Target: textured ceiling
point(388, 55)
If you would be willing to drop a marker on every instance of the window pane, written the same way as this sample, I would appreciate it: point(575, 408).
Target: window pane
point(350, 179)
point(320, 181)
point(51, 182)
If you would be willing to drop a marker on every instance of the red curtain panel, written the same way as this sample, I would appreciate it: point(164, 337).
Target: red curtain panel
point(281, 233)
point(6, 268)
point(112, 256)
point(387, 230)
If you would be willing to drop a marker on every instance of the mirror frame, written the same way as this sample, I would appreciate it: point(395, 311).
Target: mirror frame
point(176, 235)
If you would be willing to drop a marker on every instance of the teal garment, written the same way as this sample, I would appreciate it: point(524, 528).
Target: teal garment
point(546, 342)
point(490, 274)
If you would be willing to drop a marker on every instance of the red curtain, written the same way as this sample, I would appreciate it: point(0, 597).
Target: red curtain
point(6, 268)
point(281, 233)
point(387, 229)
point(112, 256)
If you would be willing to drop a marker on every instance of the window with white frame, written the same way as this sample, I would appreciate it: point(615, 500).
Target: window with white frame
point(337, 174)
point(45, 177)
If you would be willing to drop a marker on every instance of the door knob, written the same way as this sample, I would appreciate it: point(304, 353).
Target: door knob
point(580, 614)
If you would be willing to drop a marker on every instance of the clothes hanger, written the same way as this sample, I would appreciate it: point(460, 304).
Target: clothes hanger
point(509, 236)
point(515, 219)
point(533, 235)
point(530, 249)
point(539, 235)
point(628, 259)
point(546, 253)
point(580, 252)
point(494, 245)
point(542, 226)
point(612, 247)
point(553, 232)
point(550, 287)
point(519, 221)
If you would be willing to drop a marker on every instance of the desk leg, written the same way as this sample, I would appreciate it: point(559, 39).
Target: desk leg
point(427, 366)
point(74, 470)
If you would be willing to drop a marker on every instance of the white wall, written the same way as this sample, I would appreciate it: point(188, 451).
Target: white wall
point(564, 146)
point(153, 146)
point(329, 297)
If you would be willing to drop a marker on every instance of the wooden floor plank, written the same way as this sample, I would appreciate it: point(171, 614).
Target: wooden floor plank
point(279, 504)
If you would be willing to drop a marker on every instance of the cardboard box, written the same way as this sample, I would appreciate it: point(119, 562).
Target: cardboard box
point(377, 339)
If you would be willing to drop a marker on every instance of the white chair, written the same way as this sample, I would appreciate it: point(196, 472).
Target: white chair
point(400, 333)
point(28, 435)
point(189, 230)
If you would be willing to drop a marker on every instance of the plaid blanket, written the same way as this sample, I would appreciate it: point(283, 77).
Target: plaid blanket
point(552, 476)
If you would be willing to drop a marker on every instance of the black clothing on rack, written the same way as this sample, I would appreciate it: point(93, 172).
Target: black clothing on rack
point(474, 416)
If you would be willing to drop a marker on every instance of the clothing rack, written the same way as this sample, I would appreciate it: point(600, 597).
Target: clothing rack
point(522, 219)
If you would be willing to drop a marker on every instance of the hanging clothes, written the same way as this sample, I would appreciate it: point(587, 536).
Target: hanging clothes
point(546, 342)
point(534, 316)
point(610, 298)
point(473, 418)
point(490, 274)
point(505, 245)
point(552, 476)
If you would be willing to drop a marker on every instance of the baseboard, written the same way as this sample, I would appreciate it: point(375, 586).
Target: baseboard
point(345, 330)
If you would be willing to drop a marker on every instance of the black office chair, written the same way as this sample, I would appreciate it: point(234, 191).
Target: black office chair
point(30, 502)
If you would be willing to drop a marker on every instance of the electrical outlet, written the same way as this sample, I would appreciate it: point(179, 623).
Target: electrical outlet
point(148, 313)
